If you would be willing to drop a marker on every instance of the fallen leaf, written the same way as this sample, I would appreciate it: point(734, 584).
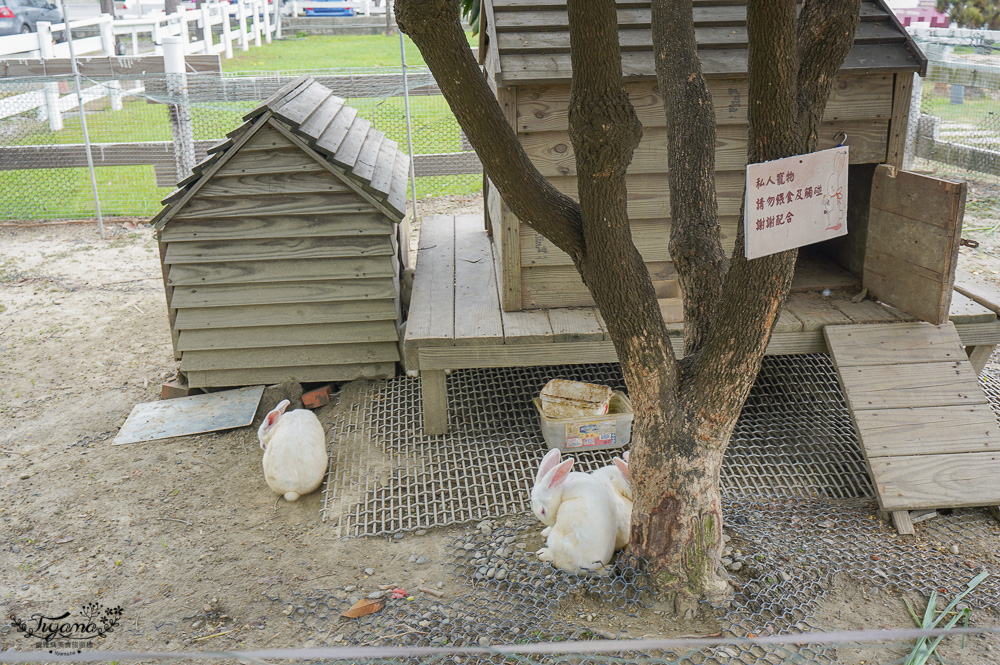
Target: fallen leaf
point(63, 540)
point(362, 608)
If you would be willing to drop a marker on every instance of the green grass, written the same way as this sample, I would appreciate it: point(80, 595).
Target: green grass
point(132, 190)
point(322, 52)
point(982, 112)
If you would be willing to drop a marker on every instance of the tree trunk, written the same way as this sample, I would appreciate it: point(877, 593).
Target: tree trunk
point(684, 412)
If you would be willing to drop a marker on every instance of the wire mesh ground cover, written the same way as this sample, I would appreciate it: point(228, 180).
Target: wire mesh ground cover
point(793, 550)
point(794, 437)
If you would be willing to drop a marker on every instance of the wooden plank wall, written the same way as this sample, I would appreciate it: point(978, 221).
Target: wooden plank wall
point(277, 269)
point(543, 275)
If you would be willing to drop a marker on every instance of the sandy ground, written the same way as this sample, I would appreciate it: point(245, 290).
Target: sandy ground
point(183, 534)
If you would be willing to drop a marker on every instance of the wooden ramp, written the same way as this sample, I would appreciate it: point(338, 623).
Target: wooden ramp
point(928, 432)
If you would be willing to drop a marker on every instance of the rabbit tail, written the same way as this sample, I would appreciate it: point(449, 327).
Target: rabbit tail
point(291, 496)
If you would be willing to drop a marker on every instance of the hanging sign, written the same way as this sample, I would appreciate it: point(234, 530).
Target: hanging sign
point(795, 201)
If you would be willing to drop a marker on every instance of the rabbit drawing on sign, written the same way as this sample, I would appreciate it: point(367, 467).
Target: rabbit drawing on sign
point(580, 512)
point(294, 447)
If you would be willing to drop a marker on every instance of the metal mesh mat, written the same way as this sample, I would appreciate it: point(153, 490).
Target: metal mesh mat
point(510, 597)
point(794, 437)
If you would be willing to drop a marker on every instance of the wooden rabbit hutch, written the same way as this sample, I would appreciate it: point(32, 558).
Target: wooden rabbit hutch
point(281, 253)
point(509, 297)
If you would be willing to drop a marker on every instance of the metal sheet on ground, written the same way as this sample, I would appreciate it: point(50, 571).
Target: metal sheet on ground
point(185, 416)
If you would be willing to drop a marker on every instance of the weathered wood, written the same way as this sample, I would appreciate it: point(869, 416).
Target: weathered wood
point(432, 306)
point(527, 327)
point(103, 154)
point(814, 311)
point(275, 161)
point(295, 111)
point(364, 166)
point(904, 343)
point(477, 300)
point(434, 396)
point(561, 286)
point(302, 374)
point(866, 311)
point(979, 356)
point(277, 249)
point(576, 325)
point(228, 317)
point(929, 430)
point(267, 138)
point(553, 155)
point(283, 335)
point(937, 481)
point(396, 199)
point(966, 310)
point(321, 118)
point(365, 223)
point(281, 270)
point(349, 149)
point(171, 312)
point(639, 38)
point(911, 385)
point(103, 66)
point(721, 63)
point(649, 199)
point(901, 520)
point(213, 295)
point(984, 293)
point(908, 264)
point(331, 138)
point(381, 179)
point(900, 119)
point(295, 182)
point(542, 108)
point(316, 203)
point(290, 356)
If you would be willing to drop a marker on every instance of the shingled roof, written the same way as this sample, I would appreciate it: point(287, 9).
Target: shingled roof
point(532, 40)
point(326, 128)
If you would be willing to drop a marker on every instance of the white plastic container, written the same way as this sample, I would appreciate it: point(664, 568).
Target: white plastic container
point(573, 399)
point(610, 430)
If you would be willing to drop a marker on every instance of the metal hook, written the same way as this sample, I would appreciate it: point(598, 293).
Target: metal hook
point(843, 140)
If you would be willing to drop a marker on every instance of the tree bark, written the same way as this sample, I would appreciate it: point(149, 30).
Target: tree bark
point(695, 242)
point(684, 412)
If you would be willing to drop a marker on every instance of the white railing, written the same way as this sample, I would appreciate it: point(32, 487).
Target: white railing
point(243, 22)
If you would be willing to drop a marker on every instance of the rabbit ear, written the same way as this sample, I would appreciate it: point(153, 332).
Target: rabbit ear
point(557, 475)
point(623, 467)
point(271, 419)
point(550, 460)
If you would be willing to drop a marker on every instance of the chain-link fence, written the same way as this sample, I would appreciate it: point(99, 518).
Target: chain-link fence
point(955, 113)
point(132, 124)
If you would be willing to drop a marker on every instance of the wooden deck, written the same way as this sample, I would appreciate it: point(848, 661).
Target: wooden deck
point(456, 321)
point(929, 435)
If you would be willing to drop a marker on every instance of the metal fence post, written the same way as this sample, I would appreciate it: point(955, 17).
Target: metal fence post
point(180, 110)
point(51, 89)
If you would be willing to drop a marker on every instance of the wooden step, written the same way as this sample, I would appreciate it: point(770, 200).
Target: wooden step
point(928, 433)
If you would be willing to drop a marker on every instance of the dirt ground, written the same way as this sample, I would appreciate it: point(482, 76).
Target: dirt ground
point(184, 534)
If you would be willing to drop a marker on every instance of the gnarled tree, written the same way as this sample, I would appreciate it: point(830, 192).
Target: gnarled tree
point(686, 409)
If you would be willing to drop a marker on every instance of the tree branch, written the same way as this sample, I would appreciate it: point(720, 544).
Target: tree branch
point(605, 132)
point(436, 29)
point(825, 35)
point(754, 290)
point(695, 243)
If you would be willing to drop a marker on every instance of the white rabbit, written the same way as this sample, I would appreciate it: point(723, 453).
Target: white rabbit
point(580, 511)
point(616, 478)
point(294, 447)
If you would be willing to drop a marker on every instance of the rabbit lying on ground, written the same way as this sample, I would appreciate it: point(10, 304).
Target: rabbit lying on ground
point(581, 514)
point(294, 447)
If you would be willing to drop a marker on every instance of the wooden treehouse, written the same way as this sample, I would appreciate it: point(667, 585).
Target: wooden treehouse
point(506, 296)
point(281, 252)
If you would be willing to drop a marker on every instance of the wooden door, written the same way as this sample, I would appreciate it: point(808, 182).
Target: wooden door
point(914, 229)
